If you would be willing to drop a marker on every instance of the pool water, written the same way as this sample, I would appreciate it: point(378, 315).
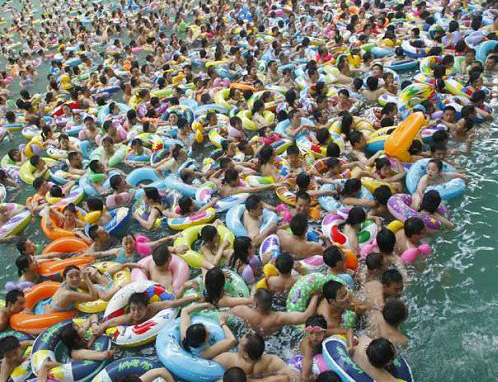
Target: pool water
point(452, 296)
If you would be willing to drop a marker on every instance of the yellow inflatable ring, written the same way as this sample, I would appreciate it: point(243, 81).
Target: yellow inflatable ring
point(120, 278)
point(190, 235)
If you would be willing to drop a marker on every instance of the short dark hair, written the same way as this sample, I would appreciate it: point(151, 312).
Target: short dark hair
point(12, 296)
point(391, 276)
point(255, 345)
point(138, 299)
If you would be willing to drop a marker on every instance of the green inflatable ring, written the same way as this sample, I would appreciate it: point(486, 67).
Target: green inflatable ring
point(300, 295)
point(235, 286)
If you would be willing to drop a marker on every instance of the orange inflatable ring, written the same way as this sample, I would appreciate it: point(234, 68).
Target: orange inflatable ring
point(35, 323)
point(351, 259)
point(55, 232)
point(236, 85)
point(320, 166)
point(286, 195)
point(67, 244)
point(52, 268)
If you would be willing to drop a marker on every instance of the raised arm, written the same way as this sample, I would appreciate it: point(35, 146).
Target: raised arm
point(221, 346)
point(297, 318)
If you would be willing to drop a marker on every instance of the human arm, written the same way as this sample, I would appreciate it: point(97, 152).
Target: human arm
point(359, 202)
point(44, 369)
point(116, 321)
point(297, 318)
point(307, 363)
point(156, 307)
point(448, 224)
point(185, 316)
point(153, 374)
point(150, 221)
point(220, 252)
point(91, 355)
point(419, 193)
point(221, 346)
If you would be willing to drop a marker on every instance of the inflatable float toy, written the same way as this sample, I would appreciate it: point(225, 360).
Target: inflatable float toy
point(414, 94)
point(13, 127)
point(318, 366)
point(180, 110)
point(59, 154)
point(54, 230)
point(173, 182)
point(120, 278)
point(23, 370)
point(21, 217)
point(484, 48)
point(204, 109)
point(277, 97)
point(410, 255)
point(403, 65)
point(145, 176)
point(183, 364)
point(64, 245)
point(48, 346)
point(225, 204)
point(386, 98)
point(20, 285)
point(120, 368)
point(247, 122)
point(104, 112)
point(117, 224)
point(7, 162)
point(257, 180)
point(75, 196)
point(235, 215)
point(221, 97)
point(170, 199)
point(448, 190)
point(149, 140)
point(376, 141)
point(190, 235)
point(400, 140)
point(140, 334)
point(331, 228)
point(412, 51)
point(54, 268)
point(456, 88)
point(118, 156)
point(88, 180)
point(399, 206)
point(35, 323)
point(135, 159)
point(321, 167)
point(308, 285)
point(31, 131)
point(279, 146)
point(234, 287)
point(306, 146)
point(286, 194)
point(358, 124)
point(271, 246)
point(283, 125)
point(179, 269)
point(330, 203)
point(26, 171)
point(335, 354)
point(198, 218)
point(216, 138)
